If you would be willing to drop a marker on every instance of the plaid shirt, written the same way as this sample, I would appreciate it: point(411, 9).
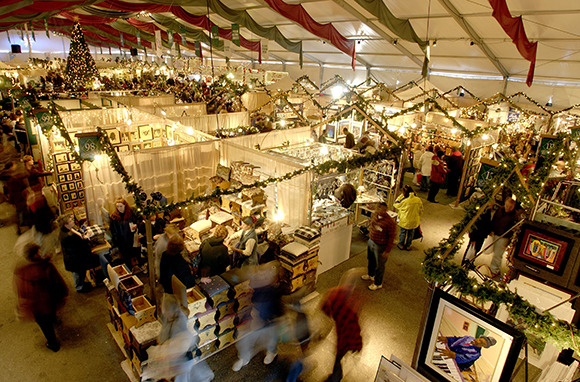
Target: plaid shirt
point(382, 228)
point(342, 306)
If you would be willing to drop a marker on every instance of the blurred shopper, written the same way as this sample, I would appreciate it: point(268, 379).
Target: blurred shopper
point(409, 208)
point(437, 176)
point(425, 166)
point(455, 167)
point(173, 263)
point(503, 220)
point(342, 304)
point(266, 310)
point(214, 257)
point(123, 231)
point(41, 291)
point(382, 230)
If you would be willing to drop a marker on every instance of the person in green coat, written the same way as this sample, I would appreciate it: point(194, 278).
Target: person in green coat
point(409, 208)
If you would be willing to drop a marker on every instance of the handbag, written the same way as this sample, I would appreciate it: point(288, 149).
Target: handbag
point(417, 233)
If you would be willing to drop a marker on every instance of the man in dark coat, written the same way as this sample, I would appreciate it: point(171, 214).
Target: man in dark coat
point(76, 253)
point(349, 139)
point(214, 258)
point(455, 168)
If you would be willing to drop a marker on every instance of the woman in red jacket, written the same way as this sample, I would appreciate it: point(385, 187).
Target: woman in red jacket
point(438, 171)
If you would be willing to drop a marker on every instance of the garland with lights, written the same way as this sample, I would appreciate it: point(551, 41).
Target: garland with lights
point(229, 132)
point(441, 270)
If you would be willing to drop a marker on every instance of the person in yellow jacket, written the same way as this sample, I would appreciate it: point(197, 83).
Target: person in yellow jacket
point(409, 208)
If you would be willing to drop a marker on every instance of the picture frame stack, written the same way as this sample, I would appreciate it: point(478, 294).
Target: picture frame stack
point(69, 181)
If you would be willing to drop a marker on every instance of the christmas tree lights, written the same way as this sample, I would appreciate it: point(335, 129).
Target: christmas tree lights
point(80, 65)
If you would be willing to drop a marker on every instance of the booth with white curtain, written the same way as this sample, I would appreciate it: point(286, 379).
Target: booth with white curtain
point(273, 138)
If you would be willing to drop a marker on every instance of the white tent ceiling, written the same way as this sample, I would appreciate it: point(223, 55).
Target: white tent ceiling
point(471, 47)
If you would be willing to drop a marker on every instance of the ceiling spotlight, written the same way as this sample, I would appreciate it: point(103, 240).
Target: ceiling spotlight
point(435, 43)
point(358, 42)
point(395, 41)
point(472, 43)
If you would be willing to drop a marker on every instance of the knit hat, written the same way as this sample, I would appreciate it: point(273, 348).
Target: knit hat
point(248, 220)
point(489, 341)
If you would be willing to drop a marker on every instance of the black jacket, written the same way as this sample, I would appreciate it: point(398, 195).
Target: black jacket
point(76, 252)
point(174, 265)
point(214, 257)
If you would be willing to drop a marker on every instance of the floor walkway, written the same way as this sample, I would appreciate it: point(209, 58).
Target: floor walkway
point(390, 321)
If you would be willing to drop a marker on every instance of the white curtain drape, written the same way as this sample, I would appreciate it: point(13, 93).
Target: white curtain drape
point(210, 123)
point(145, 101)
point(176, 111)
point(254, 100)
point(176, 172)
point(293, 196)
point(273, 138)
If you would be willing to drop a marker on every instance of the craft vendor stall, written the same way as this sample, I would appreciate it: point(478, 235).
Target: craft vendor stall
point(212, 122)
point(274, 138)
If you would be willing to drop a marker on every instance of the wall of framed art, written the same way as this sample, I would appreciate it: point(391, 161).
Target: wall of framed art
point(470, 171)
point(69, 181)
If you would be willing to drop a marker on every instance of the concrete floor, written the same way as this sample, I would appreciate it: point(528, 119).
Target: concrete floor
point(390, 321)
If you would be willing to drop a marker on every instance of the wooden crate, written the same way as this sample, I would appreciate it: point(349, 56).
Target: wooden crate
point(196, 301)
point(131, 285)
point(144, 311)
point(300, 266)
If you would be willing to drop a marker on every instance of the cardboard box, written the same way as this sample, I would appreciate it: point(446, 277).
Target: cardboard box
point(196, 301)
point(144, 311)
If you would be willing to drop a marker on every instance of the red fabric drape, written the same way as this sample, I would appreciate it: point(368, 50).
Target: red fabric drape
point(86, 19)
point(297, 13)
point(44, 6)
point(514, 27)
point(151, 28)
point(199, 21)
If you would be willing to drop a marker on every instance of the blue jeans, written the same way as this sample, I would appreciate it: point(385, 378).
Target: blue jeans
point(425, 180)
point(79, 280)
point(376, 261)
point(406, 237)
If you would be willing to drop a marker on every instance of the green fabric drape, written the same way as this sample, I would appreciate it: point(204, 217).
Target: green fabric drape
point(401, 27)
point(242, 18)
point(195, 34)
point(12, 7)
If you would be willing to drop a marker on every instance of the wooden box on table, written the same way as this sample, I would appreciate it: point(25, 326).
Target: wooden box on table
point(226, 308)
point(226, 323)
point(204, 319)
point(131, 285)
point(207, 348)
point(144, 311)
point(195, 301)
point(207, 334)
point(143, 337)
point(238, 281)
point(226, 338)
point(216, 290)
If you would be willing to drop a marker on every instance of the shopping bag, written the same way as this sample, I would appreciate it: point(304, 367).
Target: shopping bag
point(417, 233)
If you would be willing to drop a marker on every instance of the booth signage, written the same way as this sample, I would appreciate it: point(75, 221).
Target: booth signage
point(89, 146)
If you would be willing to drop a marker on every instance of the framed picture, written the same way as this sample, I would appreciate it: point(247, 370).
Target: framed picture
point(58, 146)
point(66, 197)
point(157, 143)
point(76, 176)
point(62, 178)
point(330, 132)
point(460, 342)
point(63, 187)
point(125, 136)
point(542, 248)
point(59, 158)
point(75, 203)
point(73, 196)
point(356, 128)
point(157, 133)
point(122, 148)
point(69, 177)
point(134, 136)
point(71, 186)
point(68, 206)
point(75, 166)
point(81, 194)
point(63, 167)
point(136, 146)
point(80, 185)
point(147, 145)
point(169, 131)
point(341, 125)
point(114, 136)
point(145, 132)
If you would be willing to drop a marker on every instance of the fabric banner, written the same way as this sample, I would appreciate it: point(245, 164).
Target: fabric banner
point(215, 35)
point(122, 42)
point(44, 117)
point(298, 14)
point(178, 50)
point(25, 102)
point(89, 147)
point(183, 36)
point(197, 47)
point(32, 30)
point(170, 38)
point(158, 44)
point(265, 47)
point(46, 28)
point(227, 50)
point(514, 27)
point(138, 35)
point(236, 34)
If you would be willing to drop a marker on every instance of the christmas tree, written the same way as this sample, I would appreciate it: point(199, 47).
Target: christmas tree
point(80, 65)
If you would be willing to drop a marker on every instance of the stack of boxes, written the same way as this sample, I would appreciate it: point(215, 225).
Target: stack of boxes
point(299, 259)
point(132, 315)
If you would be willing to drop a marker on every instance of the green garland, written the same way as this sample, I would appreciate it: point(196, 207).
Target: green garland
point(444, 271)
point(223, 132)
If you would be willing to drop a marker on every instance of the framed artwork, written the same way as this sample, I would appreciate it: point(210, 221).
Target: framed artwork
point(68, 206)
point(71, 186)
point(80, 185)
point(169, 131)
point(125, 136)
point(542, 248)
point(134, 136)
point(58, 146)
point(75, 166)
point(81, 194)
point(461, 341)
point(66, 197)
point(114, 136)
point(145, 132)
point(62, 178)
point(356, 128)
point(157, 133)
point(63, 187)
point(147, 145)
point(136, 146)
point(157, 143)
point(341, 125)
point(122, 148)
point(76, 176)
point(73, 196)
point(59, 158)
point(63, 167)
point(75, 203)
point(331, 132)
